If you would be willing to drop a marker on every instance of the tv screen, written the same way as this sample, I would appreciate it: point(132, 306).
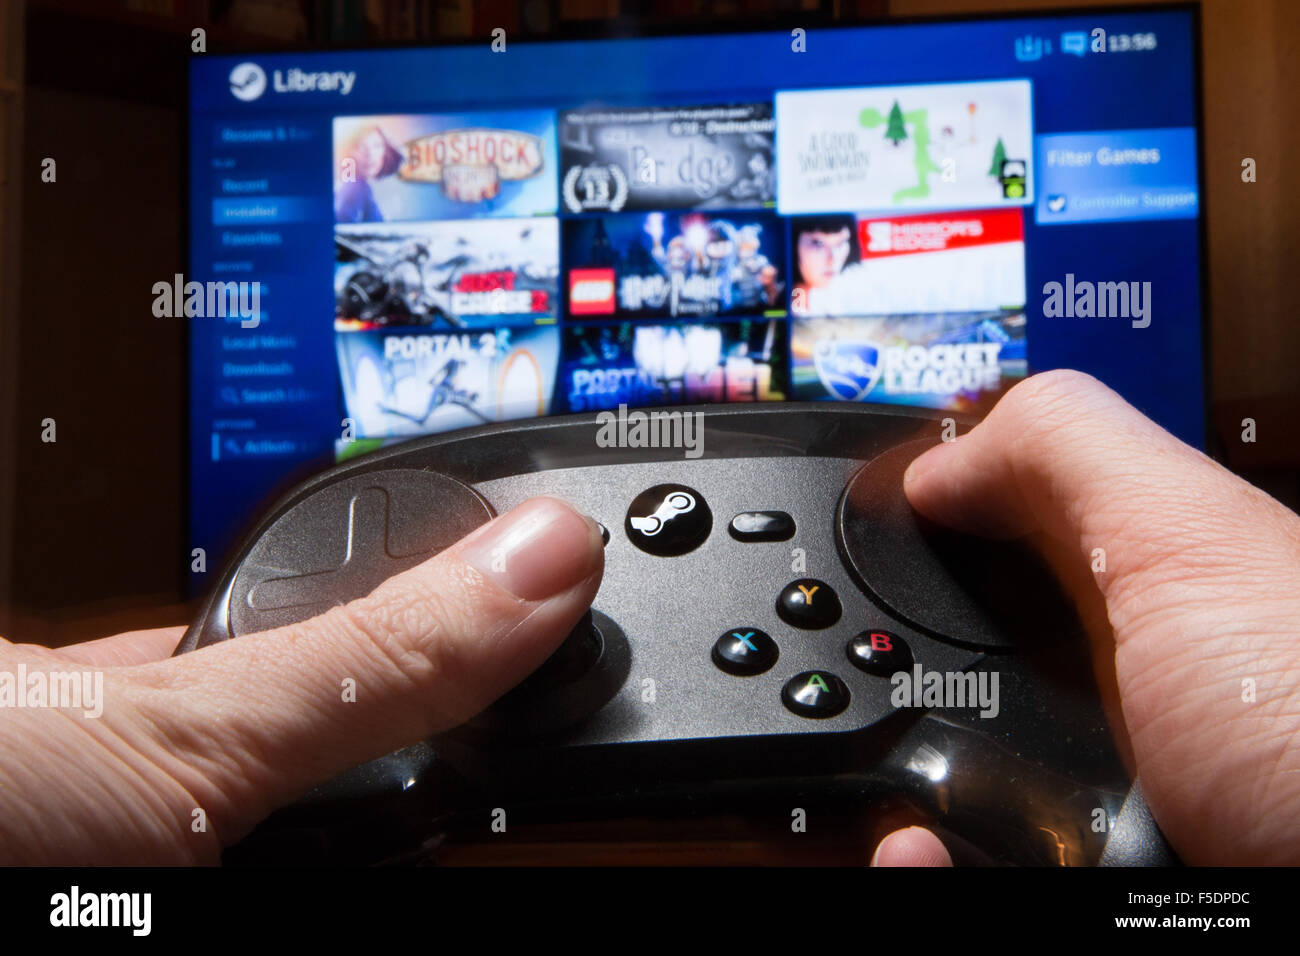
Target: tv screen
point(392, 243)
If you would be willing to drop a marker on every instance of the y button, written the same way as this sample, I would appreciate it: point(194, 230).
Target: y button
point(808, 603)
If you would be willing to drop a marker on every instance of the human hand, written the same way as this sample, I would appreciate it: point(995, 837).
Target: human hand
point(243, 727)
point(1201, 593)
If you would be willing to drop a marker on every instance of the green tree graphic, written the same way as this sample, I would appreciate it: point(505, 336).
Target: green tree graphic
point(999, 157)
point(896, 132)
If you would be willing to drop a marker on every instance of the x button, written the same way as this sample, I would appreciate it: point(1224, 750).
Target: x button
point(744, 652)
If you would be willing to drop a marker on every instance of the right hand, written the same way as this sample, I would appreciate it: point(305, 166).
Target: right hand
point(1201, 600)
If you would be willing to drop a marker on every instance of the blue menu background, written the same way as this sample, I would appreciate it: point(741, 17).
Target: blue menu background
point(261, 200)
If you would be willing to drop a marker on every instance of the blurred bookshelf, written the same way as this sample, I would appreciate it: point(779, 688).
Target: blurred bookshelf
point(136, 49)
point(253, 24)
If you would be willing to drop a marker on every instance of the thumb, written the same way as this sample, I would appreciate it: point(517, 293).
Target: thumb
point(251, 724)
point(913, 846)
point(1200, 575)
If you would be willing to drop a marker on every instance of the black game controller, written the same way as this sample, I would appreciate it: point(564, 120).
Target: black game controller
point(776, 631)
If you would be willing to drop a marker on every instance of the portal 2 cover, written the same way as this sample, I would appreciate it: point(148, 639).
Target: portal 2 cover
point(418, 382)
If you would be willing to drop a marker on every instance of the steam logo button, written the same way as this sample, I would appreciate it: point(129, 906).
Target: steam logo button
point(668, 520)
point(808, 603)
point(880, 652)
point(745, 651)
point(815, 694)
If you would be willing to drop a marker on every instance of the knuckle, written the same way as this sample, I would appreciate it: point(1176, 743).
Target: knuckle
point(1058, 393)
point(419, 629)
point(401, 630)
point(1052, 411)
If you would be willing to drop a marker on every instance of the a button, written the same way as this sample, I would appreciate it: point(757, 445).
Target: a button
point(762, 526)
point(880, 652)
point(808, 603)
point(668, 520)
point(604, 533)
point(745, 651)
point(815, 694)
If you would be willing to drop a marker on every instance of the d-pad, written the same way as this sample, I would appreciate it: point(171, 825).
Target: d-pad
point(340, 542)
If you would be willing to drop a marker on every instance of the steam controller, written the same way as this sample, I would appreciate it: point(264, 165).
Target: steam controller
point(776, 629)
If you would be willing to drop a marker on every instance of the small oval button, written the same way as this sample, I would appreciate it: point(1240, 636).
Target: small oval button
point(762, 526)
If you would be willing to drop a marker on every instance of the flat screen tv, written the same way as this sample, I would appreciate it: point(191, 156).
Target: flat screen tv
point(394, 242)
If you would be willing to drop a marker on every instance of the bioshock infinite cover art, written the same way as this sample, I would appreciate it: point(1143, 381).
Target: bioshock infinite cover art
point(468, 273)
point(670, 264)
point(444, 166)
point(402, 383)
point(678, 157)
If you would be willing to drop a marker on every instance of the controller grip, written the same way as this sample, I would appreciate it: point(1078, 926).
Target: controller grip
point(1135, 839)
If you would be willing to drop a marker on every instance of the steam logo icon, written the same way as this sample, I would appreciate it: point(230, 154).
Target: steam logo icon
point(247, 81)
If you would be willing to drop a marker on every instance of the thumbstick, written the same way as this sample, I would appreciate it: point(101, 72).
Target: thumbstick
point(569, 662)
point(579, 678)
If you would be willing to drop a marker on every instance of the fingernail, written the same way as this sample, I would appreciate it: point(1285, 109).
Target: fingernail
point(542, 547)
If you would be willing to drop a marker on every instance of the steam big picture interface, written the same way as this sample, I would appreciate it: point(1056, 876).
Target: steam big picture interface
point(699, 235)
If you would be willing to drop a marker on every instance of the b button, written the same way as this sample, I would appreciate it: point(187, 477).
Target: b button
point(808, 603)
point(880, 653)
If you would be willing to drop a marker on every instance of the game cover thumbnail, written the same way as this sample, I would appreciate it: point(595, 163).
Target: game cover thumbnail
point(662, 264)
point(633, 364)
point(405, 383)
point(935, 262)
point(447, 166)
point(470, 273)
point(700, 157)
point(905, 148)
point(957, 361)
